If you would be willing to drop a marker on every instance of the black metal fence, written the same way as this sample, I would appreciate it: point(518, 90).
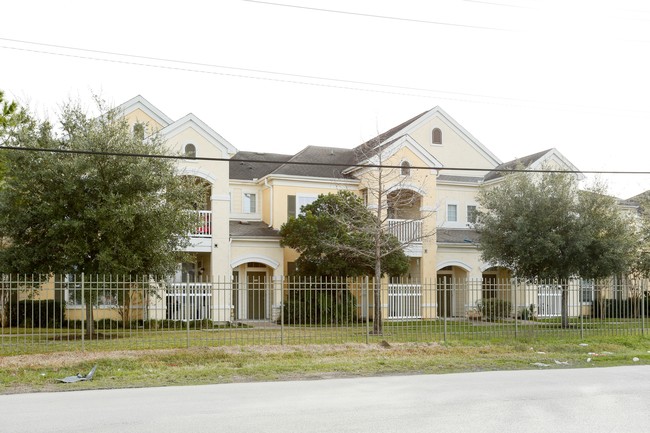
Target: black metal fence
point(78, 312)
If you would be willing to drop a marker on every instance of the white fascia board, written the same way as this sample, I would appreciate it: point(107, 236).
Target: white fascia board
point(210, 134)
point(451, 123)
point(408, 142)
point(550, 155)
point(326, 182)
point(458, 183)
point(141, 103)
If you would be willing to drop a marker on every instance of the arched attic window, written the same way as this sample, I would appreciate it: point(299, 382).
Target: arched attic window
point(406, 168)
point(190, 150)
point(436, 136)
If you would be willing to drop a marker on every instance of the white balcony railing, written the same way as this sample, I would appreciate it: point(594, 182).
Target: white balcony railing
point(203, 228)
point(406, 231)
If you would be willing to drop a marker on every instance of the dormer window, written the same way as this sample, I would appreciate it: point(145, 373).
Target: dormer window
point(190, 151)
point(436, 136)
point(406, 168)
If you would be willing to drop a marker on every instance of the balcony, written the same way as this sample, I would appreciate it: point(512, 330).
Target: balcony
point(201, 234)
point(203, 228)
point(409, 233)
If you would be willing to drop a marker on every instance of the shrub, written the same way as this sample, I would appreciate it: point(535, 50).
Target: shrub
point(493, 309)
point(108, 324)
point(527, 313)
point(319, 307)
point(39, 314)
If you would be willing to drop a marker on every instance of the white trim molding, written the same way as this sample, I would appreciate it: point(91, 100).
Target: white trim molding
point(254, 258)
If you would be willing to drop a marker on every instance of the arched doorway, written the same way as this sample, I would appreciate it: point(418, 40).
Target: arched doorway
point(452, 291)
point(252, 291)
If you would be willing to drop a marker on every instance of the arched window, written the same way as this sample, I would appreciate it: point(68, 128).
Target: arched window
point(190, 151)
point(436, 136)
point(406, 168)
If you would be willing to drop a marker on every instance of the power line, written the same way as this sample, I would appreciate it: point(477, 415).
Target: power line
point(211, 65)
point(334, 83)
point(322, 164)
point(385, 17)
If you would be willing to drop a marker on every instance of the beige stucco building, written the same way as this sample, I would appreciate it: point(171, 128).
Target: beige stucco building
point(430, 208)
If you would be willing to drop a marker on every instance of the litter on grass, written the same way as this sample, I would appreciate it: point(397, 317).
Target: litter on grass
point(79, 377)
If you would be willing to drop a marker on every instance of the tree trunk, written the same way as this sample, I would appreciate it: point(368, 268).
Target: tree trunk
point(90, 324)
point(377, 327)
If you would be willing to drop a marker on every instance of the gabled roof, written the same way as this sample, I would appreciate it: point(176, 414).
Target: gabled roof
point(268, 162)
point(139, 102)
point(384, 151)
point(412, 124)
point(533, 162)
point(202, 128)
point(370, 147)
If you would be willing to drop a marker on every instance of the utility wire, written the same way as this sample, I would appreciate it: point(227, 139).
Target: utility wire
point(259, 71)
point(384, 17)
point(301, 163)
point(335, 83)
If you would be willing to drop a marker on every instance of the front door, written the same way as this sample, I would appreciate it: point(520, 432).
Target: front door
point(444, 295)
point(256, 295)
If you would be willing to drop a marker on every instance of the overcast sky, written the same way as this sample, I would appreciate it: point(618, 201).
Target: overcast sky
point(520, 75)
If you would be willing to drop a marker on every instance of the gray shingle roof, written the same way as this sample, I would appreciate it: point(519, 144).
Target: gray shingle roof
point(255, 170)
point(524, 162)
point(254, 229)
point(321, 155)
point(457, 236)
point(367, 149)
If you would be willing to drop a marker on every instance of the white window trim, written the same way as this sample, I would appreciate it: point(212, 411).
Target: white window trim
point(467, 212)
point(401, 167)
point(244, 200)
point(303, 196)
point(447, 212)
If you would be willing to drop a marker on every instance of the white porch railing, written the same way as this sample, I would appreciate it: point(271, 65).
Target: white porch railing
point(404, 301)
point(203, 227)
point(189, 301)
point(406, 231)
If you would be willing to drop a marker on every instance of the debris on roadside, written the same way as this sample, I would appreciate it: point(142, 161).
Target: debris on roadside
point(79, 377)
point(561, 362)
point(540, 364)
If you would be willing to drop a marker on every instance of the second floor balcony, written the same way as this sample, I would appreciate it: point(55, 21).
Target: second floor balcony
point(409, 233)
point(203, 227)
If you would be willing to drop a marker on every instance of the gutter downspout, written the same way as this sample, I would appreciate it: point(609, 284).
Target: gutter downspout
point(266, 184)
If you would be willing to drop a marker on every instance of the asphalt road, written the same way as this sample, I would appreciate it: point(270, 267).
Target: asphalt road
point(589, 400)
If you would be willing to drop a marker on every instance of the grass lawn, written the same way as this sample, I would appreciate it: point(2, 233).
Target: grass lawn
point(237, 363)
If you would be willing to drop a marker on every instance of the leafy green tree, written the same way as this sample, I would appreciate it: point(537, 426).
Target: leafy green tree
point(334, 236)
point(92, 213)
point(338, 236)
point(542, 226)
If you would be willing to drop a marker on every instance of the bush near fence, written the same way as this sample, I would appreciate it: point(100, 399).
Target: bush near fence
point(621, 308)
point(319, 306)
point(493, 309)
point(35, 313)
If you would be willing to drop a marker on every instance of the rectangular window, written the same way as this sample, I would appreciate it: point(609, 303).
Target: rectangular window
point(587, 291)
point(452, 212)
point(291, 207)
point(250, 203)
point(296, 202)
point(304, 200)
point(471, 214)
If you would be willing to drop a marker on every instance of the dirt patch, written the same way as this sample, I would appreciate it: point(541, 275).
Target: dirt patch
point(64, 359)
